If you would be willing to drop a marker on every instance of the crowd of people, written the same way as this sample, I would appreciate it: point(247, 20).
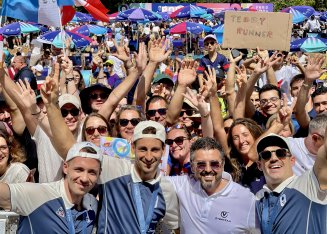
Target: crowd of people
point(244, 130)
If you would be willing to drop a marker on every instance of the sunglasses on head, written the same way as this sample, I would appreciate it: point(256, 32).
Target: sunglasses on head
point(95, 96)
point(201, 165)
point(152, 113)
point(189, 112)
point(280, 153)
point(100, 129)
point(178, 140)
point(211, 43)
point(74, 112)
point(124, 122)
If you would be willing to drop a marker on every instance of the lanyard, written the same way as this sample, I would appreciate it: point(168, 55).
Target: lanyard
point(269, 215)
point(71, 224)
point(144, 224)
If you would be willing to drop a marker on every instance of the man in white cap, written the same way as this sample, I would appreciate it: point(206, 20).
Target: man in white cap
point(135, 197)
point(63, 206)
point(290, 204)
point(213, 59)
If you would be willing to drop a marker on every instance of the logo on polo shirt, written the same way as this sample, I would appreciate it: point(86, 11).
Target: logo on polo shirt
point(223, 216)
point(60, 212)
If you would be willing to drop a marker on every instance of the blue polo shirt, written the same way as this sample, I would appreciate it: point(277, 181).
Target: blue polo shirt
point(220, 62)
point(44, 208)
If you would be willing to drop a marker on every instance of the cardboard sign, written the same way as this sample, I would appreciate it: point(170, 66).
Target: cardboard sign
point(266, 30)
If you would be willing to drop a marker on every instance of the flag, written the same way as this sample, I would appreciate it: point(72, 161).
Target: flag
point(98, 5)
point(38, 11)
point(93, 10)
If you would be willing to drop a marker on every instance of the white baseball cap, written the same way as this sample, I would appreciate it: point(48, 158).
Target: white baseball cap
point(160, 133)
point(69, 98)
point(38, 68)
point(78, 150)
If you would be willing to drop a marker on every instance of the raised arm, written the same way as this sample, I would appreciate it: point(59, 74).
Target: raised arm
point(312, 72)
point(241, 81)
point(62, 138)
point(230, 83)
point(186, 77)
point(5, 201)
point(215, 111)
point(157, 54)
point(124, 87)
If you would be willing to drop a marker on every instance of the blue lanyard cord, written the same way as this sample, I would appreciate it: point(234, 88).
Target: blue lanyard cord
point(269, 214)
point(71, 224)
point(144, 224)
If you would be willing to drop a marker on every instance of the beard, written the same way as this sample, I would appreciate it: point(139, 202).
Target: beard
point(211, 184)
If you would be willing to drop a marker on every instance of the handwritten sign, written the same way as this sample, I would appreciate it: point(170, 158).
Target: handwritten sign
point(266, 30)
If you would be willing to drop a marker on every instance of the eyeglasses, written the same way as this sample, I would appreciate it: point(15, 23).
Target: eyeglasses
point(280, 153)
point(201, 165)
point(100, 129)
point(188, 112)
point(266, 101)
point(211, 43)
point(124, 122)
point(95, 96)
point(178, 140)
point(152, 113)
point(74, 112)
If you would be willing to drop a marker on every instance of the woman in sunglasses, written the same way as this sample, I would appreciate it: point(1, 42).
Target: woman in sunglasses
point(127, 118)
point(179, 141)
point(241, 137)
point(95, 126)
point(12, 156)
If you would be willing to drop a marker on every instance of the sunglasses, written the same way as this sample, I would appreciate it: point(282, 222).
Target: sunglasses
point(201, 165)
point(91, 130)
point(189, 112)
point(95, 96)
point(124, 122)
point(280, 153)
point(74, 112)
point(178, 140)
point(152, 113)
point(211, 43)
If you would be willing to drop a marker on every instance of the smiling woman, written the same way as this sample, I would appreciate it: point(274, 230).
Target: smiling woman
point(12, 169)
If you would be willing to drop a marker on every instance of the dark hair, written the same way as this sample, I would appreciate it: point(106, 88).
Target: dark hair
point(234, 155)
point(93, 114)
point(155, 98)
point(81, 83)
point(319, 91)
point(149, 130)
point(268, 87)
point(181, 127)
point(298, 77)
point(206, 143)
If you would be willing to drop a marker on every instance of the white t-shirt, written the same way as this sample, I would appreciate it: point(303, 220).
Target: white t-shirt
point(16, 173)
point(231, 210)
point(50, 162)
point(304, 160)
point(117, 66)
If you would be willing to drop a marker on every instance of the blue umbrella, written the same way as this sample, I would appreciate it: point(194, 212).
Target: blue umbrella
point(189, 11)
point(42, 27)
point(81, 17)
point(207, 29)
point(86, 30)
point(218, 29)
point(139, 14)
point(185, 27)
point(300, 13)
point(164, 15)
point(55, 38)
point(207, 16)
point(309, 44)
point(18, 28)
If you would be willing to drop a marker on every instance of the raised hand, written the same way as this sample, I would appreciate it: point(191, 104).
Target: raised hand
point(241, 76)
point(211, 82)
point(142, 57)
point(49, 90)
point(235, 60)
point(313, 69)
point(67, 65)
point(157, 50)
point(26, 93)
point(261, 67)
point(159, 90)
point(285, 113)
point(187, 74)
point(263, 54)
point(198, 100)
point(123, 52)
